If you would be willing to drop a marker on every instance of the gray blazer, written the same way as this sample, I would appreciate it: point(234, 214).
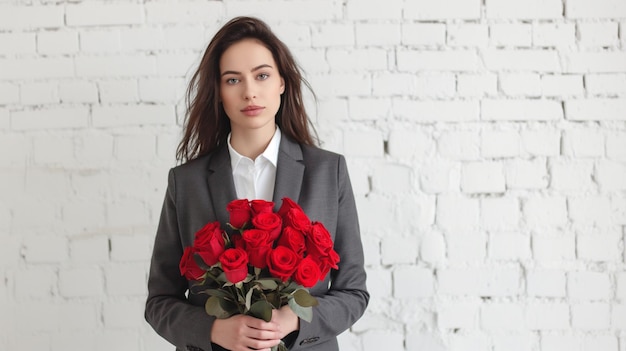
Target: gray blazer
point(198, 192)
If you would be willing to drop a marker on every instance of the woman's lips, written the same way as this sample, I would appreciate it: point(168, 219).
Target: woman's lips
point(253, 110)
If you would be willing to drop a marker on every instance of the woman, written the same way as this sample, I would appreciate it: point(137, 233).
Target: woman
point(247, 136)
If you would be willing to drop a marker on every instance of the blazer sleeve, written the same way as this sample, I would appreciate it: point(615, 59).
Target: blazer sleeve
point(184, 325)
point(345, 301)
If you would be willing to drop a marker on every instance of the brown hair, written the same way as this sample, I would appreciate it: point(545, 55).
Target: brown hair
point(206, 124)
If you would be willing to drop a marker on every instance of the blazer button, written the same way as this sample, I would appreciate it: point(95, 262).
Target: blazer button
point(309, 340)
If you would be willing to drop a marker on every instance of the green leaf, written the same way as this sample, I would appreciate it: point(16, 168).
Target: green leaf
point(305, 313)
point(267, 284)
point(304, 299)
point(218, 292)
point(214, 307)
point(262, 310)
point(249, 298)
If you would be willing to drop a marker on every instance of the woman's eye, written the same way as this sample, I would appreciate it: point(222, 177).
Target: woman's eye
point(263, 76)
point(232, 81)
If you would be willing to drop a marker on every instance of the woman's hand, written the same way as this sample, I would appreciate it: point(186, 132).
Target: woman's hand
point(241, 332)
point(286, 320)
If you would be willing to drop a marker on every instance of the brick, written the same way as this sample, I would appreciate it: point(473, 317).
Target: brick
point(618, 316)
point(601, 245)
point(134, 147)
point(341, 85)
point(423, 341)
point(410, 144)
point(116, 116)
point(125, 90)
point(57, 42)
point(428, 60)
point(99, 41)
point(591, 316)
point(471, 341)
point(159, 12)
point(89, 249)
point(458, 315)
point(541, 142)
point(358, 10)
point(36, 68)
point(510, 34)
point(298, 10)
point(80, 282)
point(594, 62)
point(476, 85)
point(500, 143)
point(515, 341)
point(535, 9)
point(597, 9)
point(429, 34)
point(509, 246)
point(45, 249)
point(439, 178)
point(587, 285)
point(39, 283)
point(598, 34)
point(94, 149)
point(600, 342)
point(357, 60)
point(78, 316)
point(39, 93)
point(371, 250)
point(562, 85)
point(193, 37)
point(499, 213)
point(82, 215)
point(52, 150)
point(618, 209)
point(78, 92)
point(141, 39)
point(103, 14)
point(485, 281)
point(456, 213)
point(17, 43)
point(547, 316)
point(522, 60)
point(131, 247)
point(364, 144)
point(520, 84)
point(596, 109)
point(413, 282)
point(123, 314)
point(125, 66)
point(437, 111)
point(546, 283)
point(554, 247)
point(127, 212)
point(126, 280)
point(502, 317)
point(433, 248)
point(447, 9)
point(558, 342)
point(116, 340)
point(590, 210)
point(526, 174)
point(378, 34)
point(366, 109)
point(333, 34)
point(383, 276)
point(50, 118)
point(314, 60)
point(389, 84)
point(482, 177)
point(402, 176)
point(31, 17)
point(571, 176)
point(379, 339)
point(616, 146)
point(521, 110)
point(466, 247)
point(554, 34)
point(605, 84)
point(9, 94)
point(37, 316)
point(610, 176)
point(459, 145)
point(400, 250)
point(545, 211)
point(467, 34)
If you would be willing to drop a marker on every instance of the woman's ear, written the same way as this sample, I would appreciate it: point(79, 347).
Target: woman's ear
point(282, 85)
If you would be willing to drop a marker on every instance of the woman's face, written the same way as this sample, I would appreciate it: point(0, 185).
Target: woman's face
point(250, 87)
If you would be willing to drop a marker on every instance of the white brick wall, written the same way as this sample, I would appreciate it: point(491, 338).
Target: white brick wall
point(486, 142)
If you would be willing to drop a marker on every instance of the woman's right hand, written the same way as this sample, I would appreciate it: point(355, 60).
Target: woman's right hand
point(242, 333)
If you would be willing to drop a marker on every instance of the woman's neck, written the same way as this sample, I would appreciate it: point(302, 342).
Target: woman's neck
point(251, 143)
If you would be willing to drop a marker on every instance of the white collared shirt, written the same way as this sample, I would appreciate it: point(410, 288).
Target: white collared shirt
point(255, 179)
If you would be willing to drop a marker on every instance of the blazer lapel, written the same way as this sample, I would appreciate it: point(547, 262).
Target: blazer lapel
point(221, 185)
point(289, 172)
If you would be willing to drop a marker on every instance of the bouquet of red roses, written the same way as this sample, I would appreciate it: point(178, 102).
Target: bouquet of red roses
point(269, 260)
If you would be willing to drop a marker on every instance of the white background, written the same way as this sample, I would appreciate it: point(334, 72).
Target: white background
point(486, 142)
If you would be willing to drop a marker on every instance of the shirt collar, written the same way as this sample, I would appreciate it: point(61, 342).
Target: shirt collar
point(270, 153)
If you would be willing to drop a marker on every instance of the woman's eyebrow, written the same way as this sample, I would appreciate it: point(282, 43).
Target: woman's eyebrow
point(252, 70)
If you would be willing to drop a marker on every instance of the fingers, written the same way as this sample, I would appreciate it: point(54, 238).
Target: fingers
point(239, 333)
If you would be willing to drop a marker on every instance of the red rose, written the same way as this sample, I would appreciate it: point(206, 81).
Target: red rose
point(269, 222)
point(258, 245)
point(287, 205)
point(318, 242)
point(327, 262)
point(237, 241)
point(209, 243)
point(307, 273)
point(240, 213)
point(298, 219)
point(282, 262)
point(234, 264)
point(188, 266)
point(261, 206)
point(293, 239)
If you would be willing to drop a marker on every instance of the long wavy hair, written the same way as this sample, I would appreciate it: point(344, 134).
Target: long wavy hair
point(206, 124)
